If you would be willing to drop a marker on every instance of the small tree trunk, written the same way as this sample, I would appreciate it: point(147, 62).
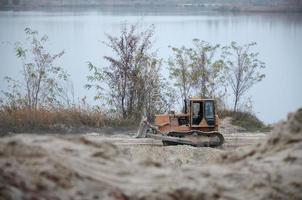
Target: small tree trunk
point(235, 105)
point(203, 84)
point(123, 108)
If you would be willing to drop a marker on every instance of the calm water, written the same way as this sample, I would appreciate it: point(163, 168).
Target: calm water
point(80, 34)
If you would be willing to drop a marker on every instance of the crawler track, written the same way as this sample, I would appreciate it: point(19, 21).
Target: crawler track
point(198, 138)
point(194, 138)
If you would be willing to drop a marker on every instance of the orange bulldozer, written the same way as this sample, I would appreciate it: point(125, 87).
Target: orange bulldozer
point(197, 126)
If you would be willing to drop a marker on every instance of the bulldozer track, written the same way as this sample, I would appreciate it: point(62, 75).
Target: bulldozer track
point(197, 134)
point(181, 138)
point(232, 140)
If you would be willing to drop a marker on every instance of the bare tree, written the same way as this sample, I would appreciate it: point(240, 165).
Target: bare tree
point(207, 69)
point(181, 70)
point(243, 69)
point(131, 81)
point(42, 79)
point(157, 93)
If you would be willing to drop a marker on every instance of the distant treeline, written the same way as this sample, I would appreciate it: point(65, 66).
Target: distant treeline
point(228, 5)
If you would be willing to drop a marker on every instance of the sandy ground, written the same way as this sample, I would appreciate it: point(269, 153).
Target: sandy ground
point(120, 167)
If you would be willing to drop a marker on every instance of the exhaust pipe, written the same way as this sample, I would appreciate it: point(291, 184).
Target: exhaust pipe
point(186, 106)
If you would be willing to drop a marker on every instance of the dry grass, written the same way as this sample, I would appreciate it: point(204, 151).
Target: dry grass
point(61, 120)
point(71, 120)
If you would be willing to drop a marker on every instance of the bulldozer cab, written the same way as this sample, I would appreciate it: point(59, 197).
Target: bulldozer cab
point(202, 112)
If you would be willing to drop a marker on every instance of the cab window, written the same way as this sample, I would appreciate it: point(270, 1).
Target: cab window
point(209, 109)
point(197, 112)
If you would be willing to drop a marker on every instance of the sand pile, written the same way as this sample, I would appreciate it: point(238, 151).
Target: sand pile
point(30, 170)
point(285, 136)
point(169, 156)
point(226, 127)
point(48, 167)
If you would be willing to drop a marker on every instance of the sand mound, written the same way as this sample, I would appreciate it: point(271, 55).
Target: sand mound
point(286, 135)
point(226, 127)
point(48, 167)
point(170, 156)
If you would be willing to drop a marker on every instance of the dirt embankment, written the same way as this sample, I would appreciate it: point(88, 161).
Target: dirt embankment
point(84, 167)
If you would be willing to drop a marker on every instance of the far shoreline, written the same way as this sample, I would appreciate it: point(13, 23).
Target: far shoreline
point(174, 9)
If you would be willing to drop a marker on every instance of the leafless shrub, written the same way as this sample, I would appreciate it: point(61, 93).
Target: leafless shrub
point(181, 70)
point(198, 71)
point(41, 83)
point(243, 69)
point(133, 79)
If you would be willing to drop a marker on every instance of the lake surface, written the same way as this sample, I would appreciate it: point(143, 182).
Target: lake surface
point(80, 34)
